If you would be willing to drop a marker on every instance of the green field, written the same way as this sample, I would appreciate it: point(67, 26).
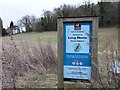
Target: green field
point(37, 37)
point(106, 37)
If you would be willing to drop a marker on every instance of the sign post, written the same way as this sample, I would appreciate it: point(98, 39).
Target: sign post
point(77, 49)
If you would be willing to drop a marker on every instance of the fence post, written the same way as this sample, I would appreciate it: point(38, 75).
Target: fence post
point(60, 53)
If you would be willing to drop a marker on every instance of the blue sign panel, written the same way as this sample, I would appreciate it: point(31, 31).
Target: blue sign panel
point(117, 67)
point(77, 50)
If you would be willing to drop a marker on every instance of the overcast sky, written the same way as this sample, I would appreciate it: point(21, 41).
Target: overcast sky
point(13, 10)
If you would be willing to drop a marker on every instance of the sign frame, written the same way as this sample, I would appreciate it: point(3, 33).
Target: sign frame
point(94, 61)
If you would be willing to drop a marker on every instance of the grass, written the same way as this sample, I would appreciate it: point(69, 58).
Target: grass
point(76, 85)
point(30, 40)
point(31, 58)
point(35, 37)
point(44, 80)
point(106, 37)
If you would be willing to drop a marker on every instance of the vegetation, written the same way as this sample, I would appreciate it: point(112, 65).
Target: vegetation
point(11, 24)
point(48, 21)
point(30, 59)
point(106, 37)
point(29, 52)
point(25, 61)
point(1, 26)
point(104, 10)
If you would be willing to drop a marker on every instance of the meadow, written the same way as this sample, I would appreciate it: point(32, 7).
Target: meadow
point(106, 36)
point(39, 50)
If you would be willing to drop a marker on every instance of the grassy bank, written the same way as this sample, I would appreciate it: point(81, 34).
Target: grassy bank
point(106, 37)
point(36, 37)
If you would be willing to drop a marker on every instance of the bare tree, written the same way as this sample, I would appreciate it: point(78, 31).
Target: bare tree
point(28, 22)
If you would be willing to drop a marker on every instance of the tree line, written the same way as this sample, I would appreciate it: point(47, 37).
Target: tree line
point(106, 11)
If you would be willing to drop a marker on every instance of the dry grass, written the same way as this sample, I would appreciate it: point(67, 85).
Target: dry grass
point(26, 61)
point(31, 56)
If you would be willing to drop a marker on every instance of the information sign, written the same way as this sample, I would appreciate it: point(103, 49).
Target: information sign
point(77, 50)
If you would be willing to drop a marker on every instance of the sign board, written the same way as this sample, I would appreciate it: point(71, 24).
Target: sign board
point(117, 67)
point(77, 49)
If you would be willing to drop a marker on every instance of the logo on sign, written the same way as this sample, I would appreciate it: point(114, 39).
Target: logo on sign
point(77, 26)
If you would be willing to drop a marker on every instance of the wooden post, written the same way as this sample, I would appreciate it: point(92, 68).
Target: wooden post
point(95, 49)
point(60, 53)
point(118, 55)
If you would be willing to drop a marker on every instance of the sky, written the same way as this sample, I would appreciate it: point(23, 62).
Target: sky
point(14, 10)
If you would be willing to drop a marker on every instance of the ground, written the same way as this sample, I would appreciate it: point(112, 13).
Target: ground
point(107, 38)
